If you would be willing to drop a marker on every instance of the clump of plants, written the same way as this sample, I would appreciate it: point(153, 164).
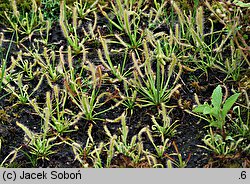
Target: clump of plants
point(114, 84)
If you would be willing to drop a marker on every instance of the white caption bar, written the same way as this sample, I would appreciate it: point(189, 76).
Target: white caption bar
point(126, 176)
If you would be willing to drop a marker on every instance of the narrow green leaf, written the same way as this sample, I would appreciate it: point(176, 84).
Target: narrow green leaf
point(229, 138)
point(229, 103)
point(242, 4)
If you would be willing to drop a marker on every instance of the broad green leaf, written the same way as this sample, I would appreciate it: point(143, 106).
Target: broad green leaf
point(207, 110)
point(215, 124)
point(229, 103)
point(215, 112)
point(200, 108)
point(217, 97)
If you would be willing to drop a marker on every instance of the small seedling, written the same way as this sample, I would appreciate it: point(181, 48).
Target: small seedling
point(216, 143)
point(216, 113)
point(180, 163)
point(165, 128)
